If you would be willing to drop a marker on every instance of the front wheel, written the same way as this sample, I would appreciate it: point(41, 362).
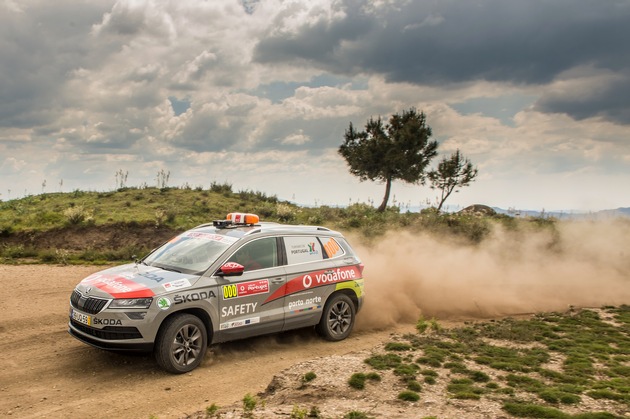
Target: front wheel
point(181, 343)
point(337, 319)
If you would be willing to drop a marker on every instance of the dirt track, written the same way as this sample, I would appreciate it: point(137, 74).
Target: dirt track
point(44, 372)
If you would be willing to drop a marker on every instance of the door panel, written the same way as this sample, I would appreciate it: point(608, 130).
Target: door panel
point(243, 307)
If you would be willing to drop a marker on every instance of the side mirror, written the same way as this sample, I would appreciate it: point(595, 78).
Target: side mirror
point(231, 269)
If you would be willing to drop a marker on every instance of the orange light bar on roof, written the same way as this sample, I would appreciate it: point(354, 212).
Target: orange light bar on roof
point(242, 218)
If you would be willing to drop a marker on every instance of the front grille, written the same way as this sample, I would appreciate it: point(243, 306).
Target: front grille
point(108, 332)
point(89, 305)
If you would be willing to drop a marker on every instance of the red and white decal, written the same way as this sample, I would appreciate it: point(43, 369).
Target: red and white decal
point(244, 289)
point(253, 287)
point(118, 286)
point(177, 284)
point(317, 279)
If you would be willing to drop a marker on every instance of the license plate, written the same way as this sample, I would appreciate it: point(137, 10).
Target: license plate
point(81, 318)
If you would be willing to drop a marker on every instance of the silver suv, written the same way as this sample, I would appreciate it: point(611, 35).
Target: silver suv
point(227, 280)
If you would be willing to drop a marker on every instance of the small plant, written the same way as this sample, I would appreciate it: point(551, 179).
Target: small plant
point(285, 213)
point(249, 404)
point(357, 380)
point(356, 414)
point(397, 346)
point(434, 326)
point(373, 376)
point(314, 413)
point(309, 376)
point(77, 215)
point(413, 385)
point(383, 362)
point(212, 410)
point(409, 396)
point(422, 325)
point(298, 413)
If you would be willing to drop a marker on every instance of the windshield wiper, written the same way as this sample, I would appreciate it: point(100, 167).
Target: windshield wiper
point(170, 269)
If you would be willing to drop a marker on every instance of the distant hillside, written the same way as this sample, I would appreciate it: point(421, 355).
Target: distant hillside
point(567, 214)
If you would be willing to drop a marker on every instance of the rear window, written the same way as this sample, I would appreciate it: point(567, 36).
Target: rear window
point(331, 247)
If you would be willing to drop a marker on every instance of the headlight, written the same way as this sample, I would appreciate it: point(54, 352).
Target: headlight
point(131, 303)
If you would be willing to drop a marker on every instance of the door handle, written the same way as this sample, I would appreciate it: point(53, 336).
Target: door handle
point(277, 280)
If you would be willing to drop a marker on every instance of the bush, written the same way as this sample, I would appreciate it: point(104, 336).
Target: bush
point(409, 396)
point(77, 215)
point(357, 380)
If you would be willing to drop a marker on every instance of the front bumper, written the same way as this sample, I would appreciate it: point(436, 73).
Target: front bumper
point(113, 338)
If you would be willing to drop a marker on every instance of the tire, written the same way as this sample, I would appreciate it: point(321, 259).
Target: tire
point(337, 319)
point(181, 343)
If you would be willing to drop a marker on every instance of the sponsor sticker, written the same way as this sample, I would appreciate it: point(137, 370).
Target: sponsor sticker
point(239, 323)
point(118, 286)
point(163, 303)
point(316, 279)
point(177, 284)
point(194, 296)
point(307, 302)
point(244, 289)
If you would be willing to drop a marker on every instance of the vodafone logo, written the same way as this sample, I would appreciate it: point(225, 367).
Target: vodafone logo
point(307, 281)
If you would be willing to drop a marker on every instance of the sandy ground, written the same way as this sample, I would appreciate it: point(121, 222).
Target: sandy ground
point(44, 372)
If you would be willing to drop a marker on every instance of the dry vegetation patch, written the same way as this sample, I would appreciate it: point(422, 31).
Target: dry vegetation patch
point(570, 366)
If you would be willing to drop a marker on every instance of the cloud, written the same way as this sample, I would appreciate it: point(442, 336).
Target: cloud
point(526, 90)
point(451, 42)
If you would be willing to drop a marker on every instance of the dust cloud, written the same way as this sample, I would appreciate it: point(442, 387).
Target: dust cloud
point(578, 263)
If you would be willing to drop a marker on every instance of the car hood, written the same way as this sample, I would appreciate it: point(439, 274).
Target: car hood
point(134, 281)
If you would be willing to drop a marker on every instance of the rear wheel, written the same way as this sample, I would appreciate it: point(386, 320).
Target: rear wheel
point(181, 343)
point(337, 319)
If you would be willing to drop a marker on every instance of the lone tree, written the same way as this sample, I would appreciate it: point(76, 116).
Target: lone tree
point(385, 152)
point(451, 173)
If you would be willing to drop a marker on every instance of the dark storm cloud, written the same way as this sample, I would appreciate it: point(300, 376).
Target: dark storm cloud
point(610, 100)
point(443, 42)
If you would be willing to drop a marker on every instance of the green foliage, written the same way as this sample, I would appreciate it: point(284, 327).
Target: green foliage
point(398, 150)
point(383, 362)
point(408, 396)
point(77, 215)
point(309, 376)
point(397, 346)
point(249, 403)
point(298, 413)
point(413, 385)
point(211, 410)
point(356, 414)
point(452, 173)
point(357, 380)
point(525, 410)
point(178, 209)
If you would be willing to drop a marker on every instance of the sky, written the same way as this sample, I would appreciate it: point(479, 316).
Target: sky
point(259, 93)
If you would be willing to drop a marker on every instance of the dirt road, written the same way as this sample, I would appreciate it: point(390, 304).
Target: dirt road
point(44, 372)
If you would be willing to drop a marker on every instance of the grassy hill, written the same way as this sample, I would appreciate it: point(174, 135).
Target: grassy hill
point(100, 227)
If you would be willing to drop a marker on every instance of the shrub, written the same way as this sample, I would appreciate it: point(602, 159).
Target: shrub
point(356, 414)
point(249, 403)
point(77, 215)
point(357, 380)
point(309, 376)
point(409, 396)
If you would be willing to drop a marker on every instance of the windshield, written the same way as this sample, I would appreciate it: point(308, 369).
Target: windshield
point(190, 252)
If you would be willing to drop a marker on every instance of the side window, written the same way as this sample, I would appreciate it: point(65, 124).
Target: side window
point(259, 254)
point(331, 247)
point(303, 249)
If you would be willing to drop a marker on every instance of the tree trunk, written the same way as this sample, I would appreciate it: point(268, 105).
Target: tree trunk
point(388, 188)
